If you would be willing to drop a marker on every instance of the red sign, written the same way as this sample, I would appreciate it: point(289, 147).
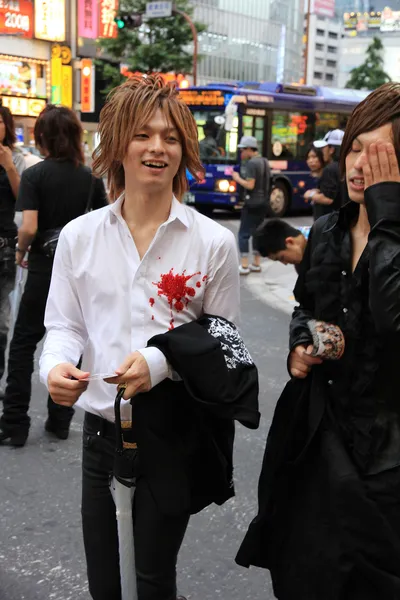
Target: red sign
point(107, 13)
point(16, 18)
point(87, 86)
point(323, 8)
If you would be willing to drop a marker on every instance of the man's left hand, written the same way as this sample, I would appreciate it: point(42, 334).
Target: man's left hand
point(135, 373)
point(380, 165)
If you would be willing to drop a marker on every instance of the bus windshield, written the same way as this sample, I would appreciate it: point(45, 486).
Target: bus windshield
point(215, 143)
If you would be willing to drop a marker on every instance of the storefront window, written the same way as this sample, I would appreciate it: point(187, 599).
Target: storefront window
point(292, 133)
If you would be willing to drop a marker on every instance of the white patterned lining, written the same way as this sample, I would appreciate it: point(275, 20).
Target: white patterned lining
point(234, 350)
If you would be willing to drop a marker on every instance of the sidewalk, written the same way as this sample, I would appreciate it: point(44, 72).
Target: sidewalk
point(274, 285)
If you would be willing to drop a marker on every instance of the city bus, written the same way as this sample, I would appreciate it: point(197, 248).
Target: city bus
point(285, 119)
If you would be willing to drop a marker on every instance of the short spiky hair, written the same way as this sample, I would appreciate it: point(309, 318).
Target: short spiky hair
point(271, 236)
point(379, 108)
point(128, 108)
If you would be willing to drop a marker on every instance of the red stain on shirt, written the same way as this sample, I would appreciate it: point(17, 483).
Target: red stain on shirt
point(171, 324)
point(152, 317)
point(174, 287)
point(198, 284)
point(151, 301)
point(205, 278)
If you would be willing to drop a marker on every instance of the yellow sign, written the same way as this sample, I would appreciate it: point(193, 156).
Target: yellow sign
point(66, 89)
point(56, 80)
point(25, 107)
point(50, 20)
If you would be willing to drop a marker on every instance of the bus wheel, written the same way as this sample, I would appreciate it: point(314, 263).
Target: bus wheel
point(279, 200)
point(204, 209)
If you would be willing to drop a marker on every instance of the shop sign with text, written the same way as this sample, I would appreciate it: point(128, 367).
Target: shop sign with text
point(107, 12)
point(16, 18)
point(88, 18)
point(50, 20)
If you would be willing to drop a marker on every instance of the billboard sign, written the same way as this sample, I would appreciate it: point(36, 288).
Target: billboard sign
point(23, 77)
point(16, 18)
point(390, 20)
point(107, 12)
point(88, 19)
point(50, 20)
point(323, 8)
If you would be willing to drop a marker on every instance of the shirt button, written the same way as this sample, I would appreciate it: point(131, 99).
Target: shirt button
point(330, 382)
point(98, 433)
point(345, 310)
point(344, 273)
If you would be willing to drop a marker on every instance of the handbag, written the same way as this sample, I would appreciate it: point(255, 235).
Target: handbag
point(256, 201)
point(49, 238)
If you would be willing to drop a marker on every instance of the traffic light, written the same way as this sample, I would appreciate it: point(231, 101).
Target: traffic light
point(131, 21)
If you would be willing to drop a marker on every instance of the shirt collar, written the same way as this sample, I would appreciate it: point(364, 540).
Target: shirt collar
point(178, 210)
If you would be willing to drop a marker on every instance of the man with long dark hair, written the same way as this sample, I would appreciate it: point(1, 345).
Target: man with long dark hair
point(12, 165)
point(329, 512)
point(52, 193)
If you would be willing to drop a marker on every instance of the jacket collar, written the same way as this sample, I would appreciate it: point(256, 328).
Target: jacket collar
point(346, 216)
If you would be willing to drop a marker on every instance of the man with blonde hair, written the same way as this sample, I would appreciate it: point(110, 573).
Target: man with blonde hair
point(140, 268)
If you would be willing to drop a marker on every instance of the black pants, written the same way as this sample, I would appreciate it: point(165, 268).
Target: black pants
point(250, 219)
point(157, 537)
point(29, 330)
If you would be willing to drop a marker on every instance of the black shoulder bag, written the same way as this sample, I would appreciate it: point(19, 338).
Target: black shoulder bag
point(49, 238)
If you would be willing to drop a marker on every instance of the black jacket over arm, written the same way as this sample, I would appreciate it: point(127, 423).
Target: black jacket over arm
point(328, 524)
point(185, 429)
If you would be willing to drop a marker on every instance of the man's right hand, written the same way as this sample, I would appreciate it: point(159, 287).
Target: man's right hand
point(301, 361)
point(62, 388)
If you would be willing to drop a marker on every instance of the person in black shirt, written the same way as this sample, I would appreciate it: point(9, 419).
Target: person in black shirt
point(330, 195)
point(12, 165)
point(51, 194)
point(329, 512)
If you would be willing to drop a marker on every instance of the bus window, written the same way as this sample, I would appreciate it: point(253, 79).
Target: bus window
point(254, 126)
point(216, 145)
point(292, 133)
point(325, 122)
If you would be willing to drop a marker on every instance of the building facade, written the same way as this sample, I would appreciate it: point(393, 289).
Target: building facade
point(250, 40)
point(353, 55)
point(359, 30)
point(323, 51)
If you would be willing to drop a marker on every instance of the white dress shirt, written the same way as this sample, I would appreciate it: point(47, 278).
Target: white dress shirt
point(104, 302)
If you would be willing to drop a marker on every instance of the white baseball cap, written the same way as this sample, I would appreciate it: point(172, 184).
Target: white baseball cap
point(248, 141)
point(332, 138)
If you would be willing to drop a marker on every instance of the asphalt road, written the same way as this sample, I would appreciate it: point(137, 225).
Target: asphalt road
point(41, 550)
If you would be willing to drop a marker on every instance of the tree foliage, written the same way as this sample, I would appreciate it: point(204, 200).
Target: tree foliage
point(160, 45)
point(370, 75)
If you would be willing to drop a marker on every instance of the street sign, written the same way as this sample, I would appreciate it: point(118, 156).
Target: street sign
point(158, 9)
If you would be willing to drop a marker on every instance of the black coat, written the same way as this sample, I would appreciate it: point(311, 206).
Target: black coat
point(185, 429)
point(329, 512)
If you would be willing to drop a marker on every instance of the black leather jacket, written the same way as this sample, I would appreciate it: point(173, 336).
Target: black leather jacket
point(360, 391)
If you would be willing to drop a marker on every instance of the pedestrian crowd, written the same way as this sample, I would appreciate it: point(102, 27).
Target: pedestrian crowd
point(139, 296)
